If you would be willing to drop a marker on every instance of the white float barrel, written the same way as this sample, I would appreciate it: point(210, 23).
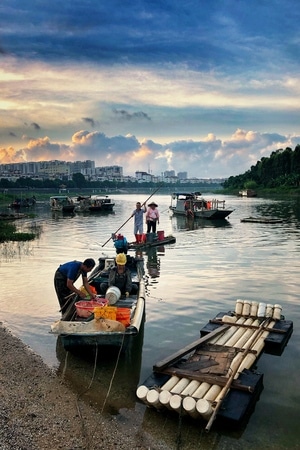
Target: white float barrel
point(180, 386)
point(170, 383)
point(142, 392)
point(239, 307)
point(277, 312)
point(261, 310)
point(204, 408)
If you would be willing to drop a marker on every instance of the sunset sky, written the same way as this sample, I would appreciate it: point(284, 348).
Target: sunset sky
point(203, 86)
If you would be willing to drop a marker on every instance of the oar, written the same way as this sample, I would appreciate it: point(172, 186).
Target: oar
point(131, 216)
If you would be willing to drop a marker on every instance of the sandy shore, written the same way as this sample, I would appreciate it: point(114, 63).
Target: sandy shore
point(38, 411)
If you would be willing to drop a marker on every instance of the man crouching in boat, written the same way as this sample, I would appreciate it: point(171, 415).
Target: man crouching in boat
point(120, 276)
point(65, 277)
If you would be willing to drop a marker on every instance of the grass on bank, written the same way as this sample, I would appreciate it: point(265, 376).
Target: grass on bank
point(8, 232)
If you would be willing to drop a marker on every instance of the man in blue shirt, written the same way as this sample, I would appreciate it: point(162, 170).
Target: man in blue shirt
point(65, 277)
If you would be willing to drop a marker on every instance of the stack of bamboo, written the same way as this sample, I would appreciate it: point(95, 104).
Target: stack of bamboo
point(248, 329)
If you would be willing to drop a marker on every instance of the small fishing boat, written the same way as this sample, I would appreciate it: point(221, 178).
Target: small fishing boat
point(94, 204)
point(97, 323)
point(262, 220)
point(194, 205)
point(62, 203)
point(215, 377)
point(247, 193)
point(23, 203)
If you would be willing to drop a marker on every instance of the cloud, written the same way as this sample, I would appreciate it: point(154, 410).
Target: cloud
point(209, 157)
point(129, 116)
point(89, 121)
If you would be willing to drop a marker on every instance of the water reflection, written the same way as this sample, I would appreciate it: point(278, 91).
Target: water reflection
point(104, 375)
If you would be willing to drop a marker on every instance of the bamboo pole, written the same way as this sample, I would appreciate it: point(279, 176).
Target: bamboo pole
point(226, 388)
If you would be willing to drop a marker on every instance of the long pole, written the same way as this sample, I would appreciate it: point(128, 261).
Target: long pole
point(131, 216)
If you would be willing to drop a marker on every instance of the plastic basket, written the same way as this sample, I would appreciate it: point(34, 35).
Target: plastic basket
point(106, 312)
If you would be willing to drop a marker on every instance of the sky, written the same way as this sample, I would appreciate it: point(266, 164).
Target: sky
point(206, 87)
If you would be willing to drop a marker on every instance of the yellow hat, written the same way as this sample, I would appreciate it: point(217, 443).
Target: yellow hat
point(121, 259)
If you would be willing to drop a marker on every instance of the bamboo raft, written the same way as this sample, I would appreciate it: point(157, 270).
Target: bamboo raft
point(212, 378)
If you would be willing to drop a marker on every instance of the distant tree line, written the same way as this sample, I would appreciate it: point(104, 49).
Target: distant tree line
point(280, 169)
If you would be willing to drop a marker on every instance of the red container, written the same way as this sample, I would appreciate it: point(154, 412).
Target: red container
point(160, 235)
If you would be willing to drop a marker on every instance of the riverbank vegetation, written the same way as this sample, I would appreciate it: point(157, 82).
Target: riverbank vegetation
point(9, 232)
point(280, 172)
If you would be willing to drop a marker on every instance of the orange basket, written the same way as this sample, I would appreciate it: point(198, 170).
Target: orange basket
point(123, 316)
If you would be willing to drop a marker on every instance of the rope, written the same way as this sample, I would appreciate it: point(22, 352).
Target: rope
point(113, 375)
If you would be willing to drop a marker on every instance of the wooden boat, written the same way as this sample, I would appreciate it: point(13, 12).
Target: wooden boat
point(23, 203)
point(77, 332)
point(213, 378)
point(262, 220)
point(194, 205)
point(152, 243)
point(94, 204)
point(62, 203)
point(247, 193)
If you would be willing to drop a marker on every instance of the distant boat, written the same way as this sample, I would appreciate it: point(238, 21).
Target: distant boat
point(94, 203)
point(195, 206)
point(23, 203)
point(247, 193)
point(62, 203)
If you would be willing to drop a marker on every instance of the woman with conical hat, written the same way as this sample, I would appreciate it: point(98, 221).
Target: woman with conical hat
point(152, 217)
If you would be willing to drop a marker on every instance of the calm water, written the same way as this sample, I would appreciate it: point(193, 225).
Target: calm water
point(189, 282)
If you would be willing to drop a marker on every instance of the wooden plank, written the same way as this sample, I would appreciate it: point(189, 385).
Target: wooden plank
point(175, 356)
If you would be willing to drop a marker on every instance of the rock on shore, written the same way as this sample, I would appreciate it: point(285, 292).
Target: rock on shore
point(39, 412)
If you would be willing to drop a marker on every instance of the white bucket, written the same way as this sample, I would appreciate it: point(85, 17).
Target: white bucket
point(113, 294)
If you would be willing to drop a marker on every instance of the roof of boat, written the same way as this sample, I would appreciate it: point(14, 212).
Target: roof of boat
point(186, 194)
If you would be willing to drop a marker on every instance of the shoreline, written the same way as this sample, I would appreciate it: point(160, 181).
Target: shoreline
point(39, 411)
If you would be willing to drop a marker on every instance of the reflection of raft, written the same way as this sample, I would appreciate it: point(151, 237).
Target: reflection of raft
point(213, 378)
point(262, 220)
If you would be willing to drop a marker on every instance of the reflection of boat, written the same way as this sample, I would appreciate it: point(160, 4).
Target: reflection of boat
point(62, 203)
point(215, 377)
point(262, 220)
point(247, 193)
point(188, 223)
point(94, 203)
point(194, 205)
point(4, 216)
point(77, 332)
point(23, 203)
point(94, 370)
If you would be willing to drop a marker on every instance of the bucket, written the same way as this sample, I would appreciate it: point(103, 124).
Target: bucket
point(144, 237)
point(123, 316)
point(151, 237)
point(113, 294)
point(139, 238)
point(106, 312)
point(160, 235)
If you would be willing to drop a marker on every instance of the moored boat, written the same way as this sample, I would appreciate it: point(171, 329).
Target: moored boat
point(23, 203)
point(94, 203)
point(195, 206)
point(62, 203)
point(104, 325)
point(215, 377)
point(247, 193)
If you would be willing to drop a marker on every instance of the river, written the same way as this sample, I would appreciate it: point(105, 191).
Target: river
point(210, 266)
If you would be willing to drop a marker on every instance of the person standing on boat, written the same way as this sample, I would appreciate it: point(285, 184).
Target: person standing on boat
point(120, 276)
point(138, 215)
point(65, 277)
point(152, 217)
